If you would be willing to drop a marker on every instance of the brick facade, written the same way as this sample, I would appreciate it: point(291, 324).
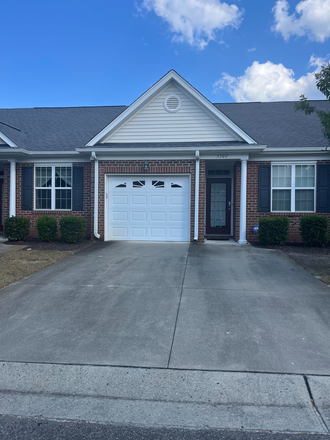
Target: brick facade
point(252, 214)
point(157, 167)
point(34, 215)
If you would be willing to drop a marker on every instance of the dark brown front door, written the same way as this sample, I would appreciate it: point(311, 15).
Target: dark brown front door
point(1, 207)
point(218, 206)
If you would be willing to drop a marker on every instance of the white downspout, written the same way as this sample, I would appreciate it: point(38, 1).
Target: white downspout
point(196, 197)
point(12, 189)
point(96, 194)
point(242, 223)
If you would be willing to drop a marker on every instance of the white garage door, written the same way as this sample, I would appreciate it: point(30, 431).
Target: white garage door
point(152, 208)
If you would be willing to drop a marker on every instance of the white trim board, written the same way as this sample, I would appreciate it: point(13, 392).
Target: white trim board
point(7, 141)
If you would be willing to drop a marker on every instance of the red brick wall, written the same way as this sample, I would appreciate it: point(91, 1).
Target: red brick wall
point(34, 215)
point(155, 167)
point(252, 213)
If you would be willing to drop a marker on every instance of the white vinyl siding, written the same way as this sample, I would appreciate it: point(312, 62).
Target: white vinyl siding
point(154, 124)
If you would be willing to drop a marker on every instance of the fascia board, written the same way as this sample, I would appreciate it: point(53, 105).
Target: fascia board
point(154, 89)
point(248, 149)
point(17, 151)
point(296, 149)
point(54, 153)
point(8, 141)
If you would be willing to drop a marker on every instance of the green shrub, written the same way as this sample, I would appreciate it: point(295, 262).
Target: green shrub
point(273, 230)
point(47, 228)
point(314, 230)
point(16, 228)
point(73, 229)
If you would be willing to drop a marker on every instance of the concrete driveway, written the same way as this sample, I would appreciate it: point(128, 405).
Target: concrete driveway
point(170, 305)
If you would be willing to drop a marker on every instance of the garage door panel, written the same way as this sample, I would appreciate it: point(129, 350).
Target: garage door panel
point(177, 200)
point(139, 233)
point(157, 233)
point(158, 200)
point(120, 216)
point(158, 216)
point(120, 200)
point(176, 232)
point(176, 216)
point(139, 216)
point(155, 208)
point(139, 200)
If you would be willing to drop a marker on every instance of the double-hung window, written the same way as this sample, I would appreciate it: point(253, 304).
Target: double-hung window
point(53, 187)
point(293, 187)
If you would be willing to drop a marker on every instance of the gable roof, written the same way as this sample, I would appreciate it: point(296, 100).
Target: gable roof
point(274, 124)
point(171, 77)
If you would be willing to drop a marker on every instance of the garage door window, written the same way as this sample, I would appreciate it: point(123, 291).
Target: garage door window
point(158, 183)
point(138, 183)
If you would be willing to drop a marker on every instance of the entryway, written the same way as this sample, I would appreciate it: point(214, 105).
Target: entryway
point(218, 206)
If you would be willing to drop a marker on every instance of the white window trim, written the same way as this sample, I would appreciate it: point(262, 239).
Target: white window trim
point(293, 185)
point(53, 189)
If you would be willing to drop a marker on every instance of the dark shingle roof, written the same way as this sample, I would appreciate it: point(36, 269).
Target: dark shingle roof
point(56, 129)
point(274, 124)
point(277, 125)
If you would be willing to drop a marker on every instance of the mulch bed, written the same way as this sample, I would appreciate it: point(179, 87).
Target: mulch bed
point(297, 248)
point(53, 246)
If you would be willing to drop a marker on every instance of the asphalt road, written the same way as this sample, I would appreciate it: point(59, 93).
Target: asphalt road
point(15, 428)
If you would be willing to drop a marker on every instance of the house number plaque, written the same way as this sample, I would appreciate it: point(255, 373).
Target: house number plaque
point(222, 156)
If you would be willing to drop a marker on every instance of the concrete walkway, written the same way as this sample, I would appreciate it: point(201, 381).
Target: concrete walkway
point(169, 335)
point(5, 249)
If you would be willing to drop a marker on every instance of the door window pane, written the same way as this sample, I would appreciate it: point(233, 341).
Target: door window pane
point(281, 176)
point(281, 200)
point(305, 176)
point(304, 200)
point(218, 205)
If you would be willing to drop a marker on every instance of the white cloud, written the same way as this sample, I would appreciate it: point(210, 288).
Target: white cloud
point(195, 21)
point(252, 49)
point(270, 82)
point(311, 18)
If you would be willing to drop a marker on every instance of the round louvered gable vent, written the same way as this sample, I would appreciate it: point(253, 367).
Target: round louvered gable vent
point(172, 103)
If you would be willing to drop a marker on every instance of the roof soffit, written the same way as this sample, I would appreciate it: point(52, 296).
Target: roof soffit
point(150, 94)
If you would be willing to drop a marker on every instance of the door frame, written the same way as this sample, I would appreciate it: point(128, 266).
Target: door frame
point(229, 212)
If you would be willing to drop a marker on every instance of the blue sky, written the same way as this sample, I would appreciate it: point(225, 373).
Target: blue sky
point(103, 52)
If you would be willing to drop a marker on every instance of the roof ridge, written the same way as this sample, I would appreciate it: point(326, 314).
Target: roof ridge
point(10, 126)
point(266, 102)
point(82, 106)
